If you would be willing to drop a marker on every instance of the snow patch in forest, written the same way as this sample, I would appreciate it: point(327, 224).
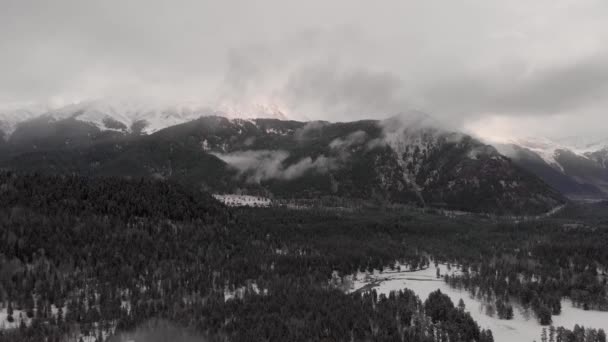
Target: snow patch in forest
point(21, 315)
point(233, 200)
point(18, 315)
point(240, 292)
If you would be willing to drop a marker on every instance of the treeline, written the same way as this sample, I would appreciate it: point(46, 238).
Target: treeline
point(578, 334)
point(300, 314)
point(118, 198)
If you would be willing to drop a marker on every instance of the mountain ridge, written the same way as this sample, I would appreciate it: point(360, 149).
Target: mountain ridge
point(406, 159)
point(578, 169)
point(129, 116)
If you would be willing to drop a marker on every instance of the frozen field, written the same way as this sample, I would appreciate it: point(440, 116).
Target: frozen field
point(523, 327)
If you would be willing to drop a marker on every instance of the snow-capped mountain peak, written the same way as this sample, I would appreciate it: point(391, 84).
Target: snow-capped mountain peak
point(545, 148)
point(252, 111)
point(584, 144)
point(549, 149)
point(13, 114)
point(124, 114)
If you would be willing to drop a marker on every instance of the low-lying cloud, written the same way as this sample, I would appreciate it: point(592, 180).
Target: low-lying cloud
point(158, 330)
point(262, 165)
point(353, 139)
point(309, 131)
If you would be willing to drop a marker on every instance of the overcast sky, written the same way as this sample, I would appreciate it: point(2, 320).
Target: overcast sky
point(495, 67)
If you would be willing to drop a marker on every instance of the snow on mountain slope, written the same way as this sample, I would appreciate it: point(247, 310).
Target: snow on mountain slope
point(12, 114)
point(576, 166)
point(447, 168)
point(405, 159)
point(584, 144)
point(408, 134)
point(599, 156)
point(549, 149)
point(545, 148)
point(124, 115)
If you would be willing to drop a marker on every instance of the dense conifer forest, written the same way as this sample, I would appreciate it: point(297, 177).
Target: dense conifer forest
point(92, 258)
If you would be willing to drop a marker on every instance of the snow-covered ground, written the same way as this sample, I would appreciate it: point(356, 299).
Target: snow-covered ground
point(18, 315)
point(524, 326)
point(242, 291)
point(233, 200)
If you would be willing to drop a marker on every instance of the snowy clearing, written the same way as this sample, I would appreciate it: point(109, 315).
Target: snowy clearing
point(522, 328)
point(233, 200)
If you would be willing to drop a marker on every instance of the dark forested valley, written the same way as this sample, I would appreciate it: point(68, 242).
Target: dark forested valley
point(93, 259)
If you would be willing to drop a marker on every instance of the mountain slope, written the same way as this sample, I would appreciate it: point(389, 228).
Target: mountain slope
point(552, 175)
point(583, 169)
point(600, 157)
point(12, 115)
point(406, 159)
point(129, 116)
point(576, 170)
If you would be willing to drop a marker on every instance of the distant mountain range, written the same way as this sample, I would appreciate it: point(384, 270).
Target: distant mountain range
point(578, 168)
point(405, 159)
point(131, 115)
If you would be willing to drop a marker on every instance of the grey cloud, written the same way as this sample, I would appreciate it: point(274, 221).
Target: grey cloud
point(410, 120)
point(560, 89)
point(343, 148)
point(348, 94)
point(545, 91)
point(355, 138)
point(256, 165)
point(339, 60)
point(157, 330)
point(376, 143)
point(260, 165)
point(321, 164)
point(309, 130)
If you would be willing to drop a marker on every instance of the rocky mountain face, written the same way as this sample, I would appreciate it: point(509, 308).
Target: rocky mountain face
point(406, 159)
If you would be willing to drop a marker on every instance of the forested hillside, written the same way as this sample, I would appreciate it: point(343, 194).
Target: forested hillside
point(400, 160)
